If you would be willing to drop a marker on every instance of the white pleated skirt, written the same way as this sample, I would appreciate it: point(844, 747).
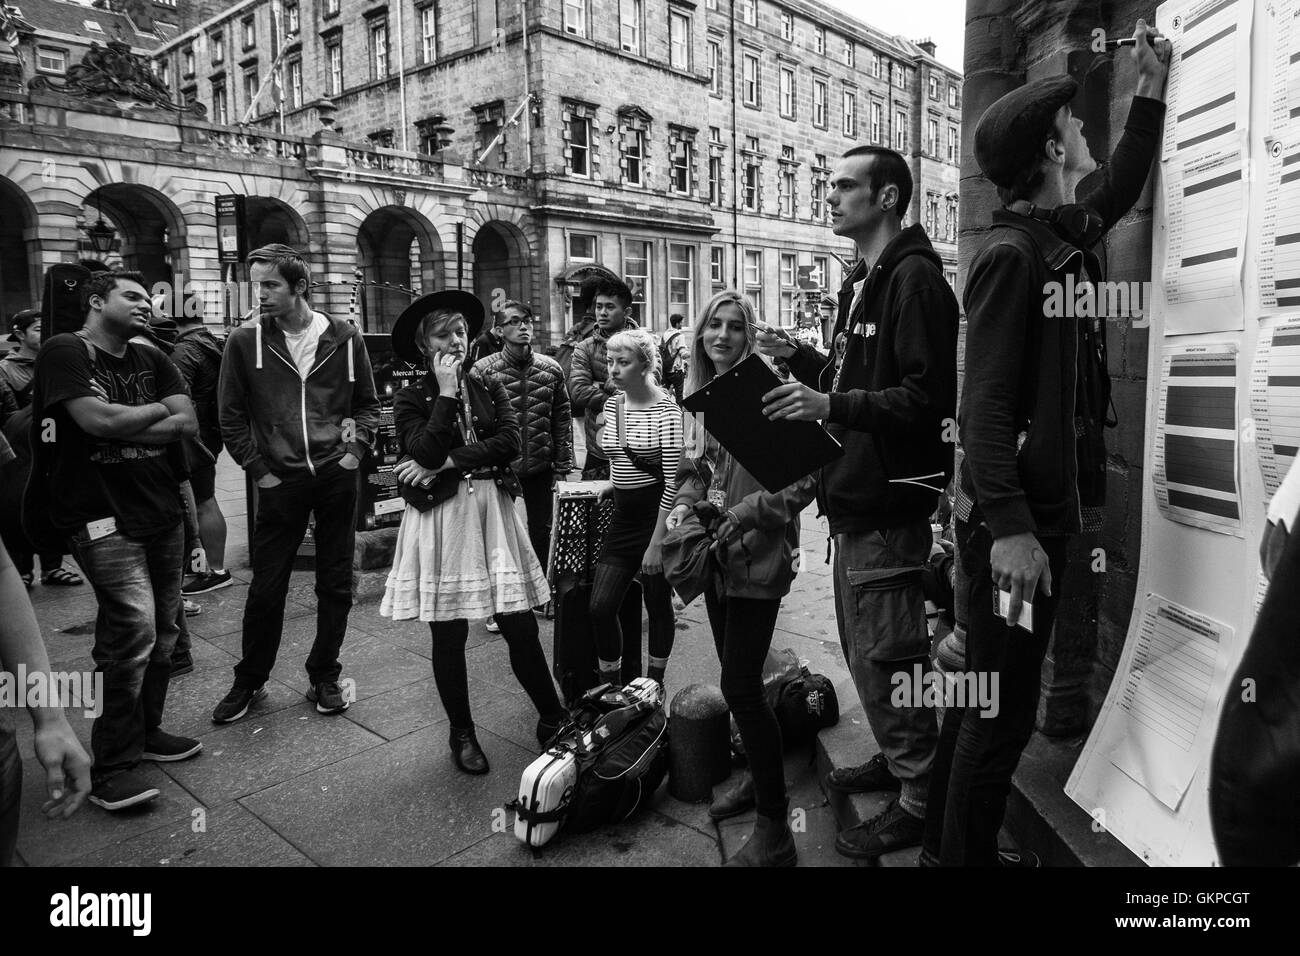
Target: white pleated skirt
point(467, 558)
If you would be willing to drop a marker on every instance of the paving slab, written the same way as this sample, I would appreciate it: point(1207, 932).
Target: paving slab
point(262, 750)
point(400, 804)
point(229, 836)
point(414, 706)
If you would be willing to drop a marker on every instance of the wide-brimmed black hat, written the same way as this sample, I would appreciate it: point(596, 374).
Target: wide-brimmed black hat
point(407, 325)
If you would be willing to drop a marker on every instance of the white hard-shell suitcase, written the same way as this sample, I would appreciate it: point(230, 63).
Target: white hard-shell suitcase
point(544, 791)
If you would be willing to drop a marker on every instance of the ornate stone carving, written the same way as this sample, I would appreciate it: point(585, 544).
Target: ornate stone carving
point(115, 73)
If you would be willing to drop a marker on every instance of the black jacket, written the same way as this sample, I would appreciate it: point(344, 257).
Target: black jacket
point(1036, 395)
point(197, 353)
point(538, 392)
point(427, 431)
point(896, 391)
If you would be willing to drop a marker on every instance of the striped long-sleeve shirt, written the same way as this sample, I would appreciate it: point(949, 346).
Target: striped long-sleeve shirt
point(654, 433)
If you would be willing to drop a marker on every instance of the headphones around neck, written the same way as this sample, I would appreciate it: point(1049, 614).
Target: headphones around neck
point(1075, 223)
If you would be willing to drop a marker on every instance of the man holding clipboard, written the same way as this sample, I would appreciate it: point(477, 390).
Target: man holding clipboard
point(885, 393)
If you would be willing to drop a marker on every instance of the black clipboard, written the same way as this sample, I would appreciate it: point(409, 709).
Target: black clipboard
point(776, 453)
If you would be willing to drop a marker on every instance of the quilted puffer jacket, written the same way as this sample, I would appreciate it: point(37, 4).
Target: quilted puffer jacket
point(535, 384)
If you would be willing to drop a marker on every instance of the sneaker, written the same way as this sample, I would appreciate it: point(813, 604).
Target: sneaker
point(208, 581)
point(872, 775)
point(892, 829)
point(235, 704)
point(191, 609)
point(182, 665)
point(492, 626)
point(122, 790)
point(163, 747)
point(328, 698)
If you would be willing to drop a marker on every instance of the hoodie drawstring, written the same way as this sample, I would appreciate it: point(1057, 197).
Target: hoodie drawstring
point(351, 374)
point(258, 326)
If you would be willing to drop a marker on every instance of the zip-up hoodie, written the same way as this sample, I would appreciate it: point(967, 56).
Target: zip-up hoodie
point(275, 421)
point(895, 397)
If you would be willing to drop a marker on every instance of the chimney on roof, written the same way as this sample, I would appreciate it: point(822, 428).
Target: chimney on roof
point(927, 45)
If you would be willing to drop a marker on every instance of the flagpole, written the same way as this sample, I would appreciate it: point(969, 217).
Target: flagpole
point(401, 73)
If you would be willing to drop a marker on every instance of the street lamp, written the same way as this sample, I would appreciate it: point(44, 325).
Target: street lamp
point(101, 236)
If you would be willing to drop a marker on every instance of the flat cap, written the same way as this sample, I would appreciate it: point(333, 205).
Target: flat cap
point(1013, 128)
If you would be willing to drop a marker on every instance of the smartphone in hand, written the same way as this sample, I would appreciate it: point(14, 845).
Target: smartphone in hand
point(1002, 607)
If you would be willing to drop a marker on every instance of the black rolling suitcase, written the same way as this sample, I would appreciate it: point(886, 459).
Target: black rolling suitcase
point(577, 530)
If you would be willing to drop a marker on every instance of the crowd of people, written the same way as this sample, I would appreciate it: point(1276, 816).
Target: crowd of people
point(291, 398)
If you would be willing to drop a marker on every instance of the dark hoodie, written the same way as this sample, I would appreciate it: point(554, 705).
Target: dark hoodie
point(274, 421)
point(197, 353)
point(895, 399)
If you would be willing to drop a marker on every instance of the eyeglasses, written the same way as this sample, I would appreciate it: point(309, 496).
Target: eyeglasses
point(521, 320)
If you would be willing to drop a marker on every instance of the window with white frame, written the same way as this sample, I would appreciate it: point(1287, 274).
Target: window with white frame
point(575, 17)
point(634, 157)
point(51, 60)
point(787, 191)
point(295, 83)
point(789, 269)
point(331, 7)
point(819, 40)
point(847, 55)
point(715, 180)
point(249, 26)
point(579, 146)
point(334, 58)
point(822, 271)
point(717, 265)
point(934, 86)
point(715, 70)
point(754, 279)
point(902, 77)
point(750, 80)
point(751, 198)
point(679, 40)
point(428, 33)
point(950, 222)
point(877, 118)
point(932, 136)
point(710, 4)
point(931, 214)
point(952, 144)
point(819, 103)
point(681, 278)
point(748, 11)
point(787, 92)
point(582, 247)
point(875, 65)
point(682, 160)
point(164, 71)
point(900, 131)
point(818, 195)
point(187, 61)
point(952, 95)
point(850, 113)
point(379, 48)
point(220, 107)
point(636, 272)
point(250, 85)
point(787, 25)
point(291, 24)
point(630, 25)
point(217, 43)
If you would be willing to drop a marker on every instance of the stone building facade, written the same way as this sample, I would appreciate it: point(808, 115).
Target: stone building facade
point(1007, 43)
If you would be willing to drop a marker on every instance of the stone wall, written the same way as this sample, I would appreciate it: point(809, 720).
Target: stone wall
point(1007, 43)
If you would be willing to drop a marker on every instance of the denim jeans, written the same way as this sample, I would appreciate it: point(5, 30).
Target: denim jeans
point(977, 755)
point(137, 583)
point(282, 514)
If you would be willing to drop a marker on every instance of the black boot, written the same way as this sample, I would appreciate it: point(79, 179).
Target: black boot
point(466, 753)
point(547, 727)
point(735, 799)
point(771, 844)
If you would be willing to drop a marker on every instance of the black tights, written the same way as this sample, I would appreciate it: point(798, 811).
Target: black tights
point(608, 588)
point(742, 632)
point(526, 660)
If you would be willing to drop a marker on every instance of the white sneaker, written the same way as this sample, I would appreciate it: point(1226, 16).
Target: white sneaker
point(492, 626)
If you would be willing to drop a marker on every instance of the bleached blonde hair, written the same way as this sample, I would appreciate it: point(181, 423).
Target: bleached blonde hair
point(640, 343)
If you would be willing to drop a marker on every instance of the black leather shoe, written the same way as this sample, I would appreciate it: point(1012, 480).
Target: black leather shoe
point(466, 753)
point(872, 775)
point(736, 799)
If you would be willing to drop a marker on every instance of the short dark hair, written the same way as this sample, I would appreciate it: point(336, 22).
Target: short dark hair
point(614, 289)
point(291, 265)
point(523, 307)
point(587, 294)
point(102, 283)
point(888, 169)
point(676, 319)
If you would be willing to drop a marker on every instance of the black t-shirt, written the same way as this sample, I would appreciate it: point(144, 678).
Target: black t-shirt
point(96, 478)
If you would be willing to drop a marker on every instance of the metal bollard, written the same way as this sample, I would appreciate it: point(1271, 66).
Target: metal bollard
point(699, 742)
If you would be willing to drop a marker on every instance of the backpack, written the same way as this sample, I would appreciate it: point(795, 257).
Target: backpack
point(672, 364)
point(618, 740)
point(806, 705)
